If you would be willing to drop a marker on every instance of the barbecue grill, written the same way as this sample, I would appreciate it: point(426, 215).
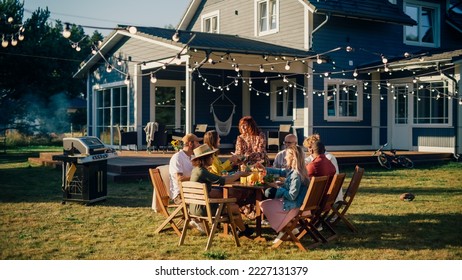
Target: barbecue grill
point(84, 169)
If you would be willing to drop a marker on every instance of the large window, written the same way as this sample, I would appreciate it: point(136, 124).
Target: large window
point(400, 97)
point(282, 101)
point(426, 32)
point(342, 100)
point(170, 105)
point(431, 104)
point(210, 22)
point(267, 16)
point(111, 110)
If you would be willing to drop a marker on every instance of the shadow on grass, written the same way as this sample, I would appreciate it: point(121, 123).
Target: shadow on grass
point(396, 232)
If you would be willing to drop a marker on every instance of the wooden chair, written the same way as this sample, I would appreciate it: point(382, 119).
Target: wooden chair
point(306, 218)
point(327, 203)
point(172, 212)
point(340, 208)
point(196, 193)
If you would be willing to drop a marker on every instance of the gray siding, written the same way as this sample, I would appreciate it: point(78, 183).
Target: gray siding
point(238, 17)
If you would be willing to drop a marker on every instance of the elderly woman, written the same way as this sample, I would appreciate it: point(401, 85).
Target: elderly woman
point(288, 197)
point(251, 143)
point(202, 159)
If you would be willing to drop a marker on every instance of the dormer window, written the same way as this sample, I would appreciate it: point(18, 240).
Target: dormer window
point(210, 22)
point(267, 16)
point(427, 31)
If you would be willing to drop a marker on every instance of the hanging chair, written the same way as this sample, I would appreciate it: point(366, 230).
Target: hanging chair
point(222, 127)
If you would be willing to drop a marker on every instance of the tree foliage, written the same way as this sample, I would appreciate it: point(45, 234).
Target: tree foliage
point(36, 75)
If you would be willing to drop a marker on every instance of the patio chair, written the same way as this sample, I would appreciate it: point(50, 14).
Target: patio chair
point(305, 221)
point(173, 213)
point(196, 193)
point(327, 203)
point(340, 208)
point(200, 130)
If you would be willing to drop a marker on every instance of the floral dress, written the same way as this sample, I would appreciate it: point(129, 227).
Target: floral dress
point(253, 147)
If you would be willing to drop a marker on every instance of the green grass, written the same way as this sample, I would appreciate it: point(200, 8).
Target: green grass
point(35, 225)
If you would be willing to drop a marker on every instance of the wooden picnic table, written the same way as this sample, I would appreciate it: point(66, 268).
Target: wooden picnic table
point(258, 189)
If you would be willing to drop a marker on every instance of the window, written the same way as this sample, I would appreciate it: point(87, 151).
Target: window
point(169, 106)
point(426, 32)
point(431, 103)
point(267, 16)
point(111, 110)
point(401, 104)
point(210, 23)
point(282, 101)
point(342, 100)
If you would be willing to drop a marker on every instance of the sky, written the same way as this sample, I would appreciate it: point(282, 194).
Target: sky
point(109, 13)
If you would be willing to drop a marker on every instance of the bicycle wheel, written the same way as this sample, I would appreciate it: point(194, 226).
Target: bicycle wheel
point(384, 162)
point(405, 162)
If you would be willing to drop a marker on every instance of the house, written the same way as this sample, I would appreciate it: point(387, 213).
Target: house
point(360, 73)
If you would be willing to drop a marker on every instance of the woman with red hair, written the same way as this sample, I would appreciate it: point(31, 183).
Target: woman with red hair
point(251, 143)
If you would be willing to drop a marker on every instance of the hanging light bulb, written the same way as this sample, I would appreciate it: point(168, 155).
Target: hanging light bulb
point(21, 37)
point(67, 31)
point(178, 59)
point(318, 59)
point(384, 59)
point(132, 30)
point(176, 36)
point(266, 80)
point(414, 80)
point(4, 42)
point(10, 19)
point(349, 49)
point(77, 48)
point(236, 68)
point(262, 69)
point(127, 79)
point(355, 73)
point(153, 78)
point(14, 42)
point(109, 68)
point(287, 67)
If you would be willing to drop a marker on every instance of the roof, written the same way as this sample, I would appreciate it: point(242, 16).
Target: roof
point(421, 59)
point(223, 42)
point(375, 10)
point(195, 40)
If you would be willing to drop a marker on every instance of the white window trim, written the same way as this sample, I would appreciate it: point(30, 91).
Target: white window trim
point(450, 103)
point(167, 83)
point(273, 86)
point(257, 19)
point(437, 27)
point(359, 103)
point(209, 16)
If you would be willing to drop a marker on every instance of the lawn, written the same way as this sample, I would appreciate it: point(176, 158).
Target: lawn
point(35, 225)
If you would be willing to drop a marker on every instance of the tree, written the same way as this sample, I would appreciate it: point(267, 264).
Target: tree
point(36, 77)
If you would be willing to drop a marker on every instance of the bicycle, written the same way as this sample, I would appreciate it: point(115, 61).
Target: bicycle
point(387, 159)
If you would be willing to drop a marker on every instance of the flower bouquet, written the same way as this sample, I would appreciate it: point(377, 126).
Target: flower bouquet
point(176, 144)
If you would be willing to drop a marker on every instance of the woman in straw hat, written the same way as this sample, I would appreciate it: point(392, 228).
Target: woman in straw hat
point(201, 160)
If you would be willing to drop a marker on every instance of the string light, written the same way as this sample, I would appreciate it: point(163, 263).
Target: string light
point(153, 78)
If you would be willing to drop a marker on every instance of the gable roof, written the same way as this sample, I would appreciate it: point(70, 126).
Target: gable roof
point(374, 10)
point(223, 42)
point(195, 41)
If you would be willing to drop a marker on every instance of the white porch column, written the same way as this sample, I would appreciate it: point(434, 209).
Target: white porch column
point(458, 76)
point(375, 110)
point(137, 100)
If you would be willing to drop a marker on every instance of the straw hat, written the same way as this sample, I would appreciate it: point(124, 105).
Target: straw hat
point(203, 150)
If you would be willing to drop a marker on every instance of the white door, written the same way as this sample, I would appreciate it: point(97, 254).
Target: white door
point(401, 132)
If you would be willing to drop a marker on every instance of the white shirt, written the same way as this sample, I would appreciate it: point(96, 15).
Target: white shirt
point(179, 163)
point(280, 159)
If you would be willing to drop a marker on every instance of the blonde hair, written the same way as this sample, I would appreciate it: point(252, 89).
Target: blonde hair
point(310, 140)
point(299, 161)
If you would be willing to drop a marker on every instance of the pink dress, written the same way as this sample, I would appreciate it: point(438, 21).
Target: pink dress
point(276, 216)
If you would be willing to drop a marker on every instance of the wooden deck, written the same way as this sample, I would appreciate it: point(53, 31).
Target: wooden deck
point(134, 165)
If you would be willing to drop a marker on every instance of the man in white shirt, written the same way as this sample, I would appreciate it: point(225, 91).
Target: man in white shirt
point(180, 166)
point(280, 159)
